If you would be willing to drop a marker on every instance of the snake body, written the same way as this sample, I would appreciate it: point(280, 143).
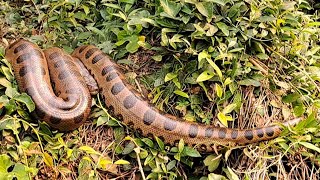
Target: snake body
point(72, 106)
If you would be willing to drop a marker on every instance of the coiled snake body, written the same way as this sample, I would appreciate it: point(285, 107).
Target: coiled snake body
point(67, 105)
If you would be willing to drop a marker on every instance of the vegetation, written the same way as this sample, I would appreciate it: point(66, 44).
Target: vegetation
point(232, 63)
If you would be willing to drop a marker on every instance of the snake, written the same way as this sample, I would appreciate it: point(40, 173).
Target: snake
point(52, 78)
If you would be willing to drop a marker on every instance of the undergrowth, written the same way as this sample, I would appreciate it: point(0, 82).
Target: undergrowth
point(233, 63)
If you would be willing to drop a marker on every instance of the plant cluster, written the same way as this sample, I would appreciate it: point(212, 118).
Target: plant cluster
point(229, 63)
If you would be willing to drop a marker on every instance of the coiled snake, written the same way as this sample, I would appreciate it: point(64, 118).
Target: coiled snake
point(67, 105)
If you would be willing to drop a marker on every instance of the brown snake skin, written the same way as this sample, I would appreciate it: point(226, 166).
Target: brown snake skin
point(72, 106)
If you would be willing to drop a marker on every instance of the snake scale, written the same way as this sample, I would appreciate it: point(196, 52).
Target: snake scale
point(67, 105)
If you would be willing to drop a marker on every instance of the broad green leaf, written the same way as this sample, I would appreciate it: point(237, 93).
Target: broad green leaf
point(24, 98)
point(229, 108)
point(223, 119)
point(181, 145)
point(181, 93)
point(205, 8)
point(310, 146)
point(205, 75)
point(212, 161)
point(88, 150)
point(219, 90)
point(291, 97)
point(227, 81)
point(160, 143)
point(191, 152)
point(5, 164)
point(299, 110)
point(249, 82)
point(170, 7)
point(170, 76)
point(47, 159)
point(258, 47)
point(224, 28)
point(230, 174)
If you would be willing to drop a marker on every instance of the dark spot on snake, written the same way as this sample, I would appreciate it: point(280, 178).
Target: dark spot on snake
point(43, 71)
point(176, 143)
point(130, 125)
point(111, 76)
point(13, 44)
point(63, 75)
point(30, 91)
point(234, 134)
point(161, 137)
point(269, 131)
point(55, 120)
point(119, 117)
point(149, 117)
point(97, 58)
point(248, 134)
point(90, 52)
point(169, 124)
point(23, 57)
point(129, 101)
point(222, 133)
point(40, 113)
point(117, 88)
point(203, 147)
point(24, 70)
point(54, 55)
point(20, 48)
point(78, 119)
point(193, 130)
point(107, 69)
point(111, 110)
point(72, 91)
point(209, 132)
point(82, 48)
point(58, 63)
point(260, 133)
point(58, 93)
point(149, 135)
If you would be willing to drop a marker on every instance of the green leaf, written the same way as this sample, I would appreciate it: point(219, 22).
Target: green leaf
point(121, 161)
point(250, 82)
point(229, 108)
point(230, 174)
point(181, 93)
point(170, 76)
point(160, 143)
point(291, 97)
point(220, 2)
point(24, 98)
point(5, 164)
point(223, 119)
point(224, 28)
point(148, 142)
point(299, 110)
point(205, 75)
point(181, 145)
point(310, 146)
point(88, 150)
point(191, 152)
point(171, 8)
point(47, 159)
point(212, 161)
point(205, 8)
point(219, 90)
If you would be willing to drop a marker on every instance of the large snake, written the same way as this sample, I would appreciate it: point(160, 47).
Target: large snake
point(67, 105)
